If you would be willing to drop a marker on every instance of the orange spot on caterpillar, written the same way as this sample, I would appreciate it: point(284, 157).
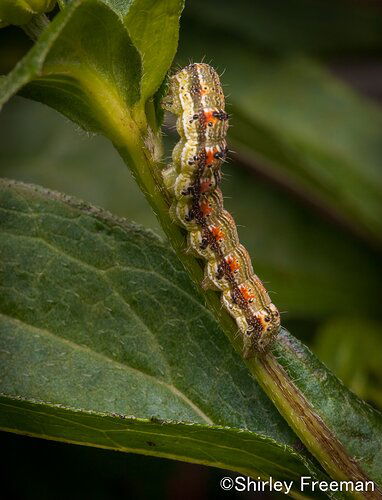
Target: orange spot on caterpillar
point(217, 233)
point(233, 264)
point(205, 208)
point(210, 156)
point(247, 293)
point(205, 185)
point(210, 118)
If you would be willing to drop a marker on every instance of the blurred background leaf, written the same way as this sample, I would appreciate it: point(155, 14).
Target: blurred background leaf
point(54, 153)
point(305, 25)
point(296, 122)
point(354, 356)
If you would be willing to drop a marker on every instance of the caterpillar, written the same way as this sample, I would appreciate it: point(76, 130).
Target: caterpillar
point(195, 95)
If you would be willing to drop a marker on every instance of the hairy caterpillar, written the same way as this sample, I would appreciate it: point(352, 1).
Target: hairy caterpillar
point(193, 178)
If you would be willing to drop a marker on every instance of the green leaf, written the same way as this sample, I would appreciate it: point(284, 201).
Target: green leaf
point(228, 448)
point(94, 92)
point(86, 284)
point(147, 21)
point(97, 315)
point(353, 356)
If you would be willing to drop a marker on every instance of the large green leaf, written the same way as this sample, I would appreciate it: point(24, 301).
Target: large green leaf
point(113, 301)
point(97, 315)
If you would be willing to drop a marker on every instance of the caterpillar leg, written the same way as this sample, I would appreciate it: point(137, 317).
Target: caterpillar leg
point(169, 175)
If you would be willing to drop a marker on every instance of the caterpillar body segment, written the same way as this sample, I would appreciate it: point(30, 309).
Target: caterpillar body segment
point(196, 97)
point(225, 274)
point(252, 294)
point(210, 206)
point(184, 185)
point(224, 233)
point(187, 155)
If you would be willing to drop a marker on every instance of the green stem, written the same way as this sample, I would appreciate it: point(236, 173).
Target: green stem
point(306, 421)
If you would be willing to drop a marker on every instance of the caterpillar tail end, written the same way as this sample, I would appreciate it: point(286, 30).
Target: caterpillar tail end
point(260, 345)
